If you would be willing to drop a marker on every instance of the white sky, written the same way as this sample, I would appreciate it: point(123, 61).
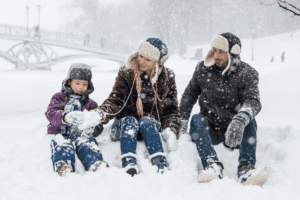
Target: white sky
point(53, 13)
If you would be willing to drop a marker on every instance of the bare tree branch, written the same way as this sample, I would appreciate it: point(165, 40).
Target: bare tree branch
point(282, 4)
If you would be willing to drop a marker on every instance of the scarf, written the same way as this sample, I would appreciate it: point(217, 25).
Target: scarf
point(72, 131)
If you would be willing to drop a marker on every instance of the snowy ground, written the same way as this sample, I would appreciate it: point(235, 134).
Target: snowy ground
point(26, 170)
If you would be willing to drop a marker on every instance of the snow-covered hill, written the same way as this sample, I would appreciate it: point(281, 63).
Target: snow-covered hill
point(26, 169)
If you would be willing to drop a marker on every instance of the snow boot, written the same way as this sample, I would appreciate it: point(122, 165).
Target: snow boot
point(63, 167)
point(129, 164)
point(98, 164)
point(212, 171)
point(131, 169)
point(248, 175)
point(161, 163)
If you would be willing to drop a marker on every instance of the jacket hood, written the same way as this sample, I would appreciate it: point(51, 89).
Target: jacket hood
point(79, 71)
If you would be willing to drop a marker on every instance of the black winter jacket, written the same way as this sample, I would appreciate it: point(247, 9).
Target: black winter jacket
point(222, 96)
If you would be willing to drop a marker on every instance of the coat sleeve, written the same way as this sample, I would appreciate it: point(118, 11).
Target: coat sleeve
point(55, 110)
point(170, 116)
point(250, 94)
point(117, 97)
point(190, 96)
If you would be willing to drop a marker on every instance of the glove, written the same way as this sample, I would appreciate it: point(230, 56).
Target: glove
point(101, 114)
point(88, 133)
point(183, 126)
point(170, 138)
point(74, 117)
point(235, 130)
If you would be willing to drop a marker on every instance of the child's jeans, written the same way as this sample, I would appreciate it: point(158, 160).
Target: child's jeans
point(87, 151)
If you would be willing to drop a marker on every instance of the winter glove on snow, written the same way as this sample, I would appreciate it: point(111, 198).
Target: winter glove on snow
point(98, 130)
point(183, 126)
point(88, 133)
point(102, 115)
point(235, 130)
point(74, 117)
point(170, 138)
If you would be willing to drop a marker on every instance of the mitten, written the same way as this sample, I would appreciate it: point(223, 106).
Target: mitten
point(235, 130)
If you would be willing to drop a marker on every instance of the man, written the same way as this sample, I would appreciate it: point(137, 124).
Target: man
point(143, 101)
point(229, 101)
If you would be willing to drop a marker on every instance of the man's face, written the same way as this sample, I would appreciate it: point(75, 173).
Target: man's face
point(79, 86)
point(221, 57)
point(145, 64)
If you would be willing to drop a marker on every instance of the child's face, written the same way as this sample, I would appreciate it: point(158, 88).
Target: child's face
point(79, 86)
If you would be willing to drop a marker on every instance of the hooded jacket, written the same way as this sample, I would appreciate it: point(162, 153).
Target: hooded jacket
point(221, 96)
point(55, 110)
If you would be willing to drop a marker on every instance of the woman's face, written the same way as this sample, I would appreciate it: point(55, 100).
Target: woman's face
point(145, 64)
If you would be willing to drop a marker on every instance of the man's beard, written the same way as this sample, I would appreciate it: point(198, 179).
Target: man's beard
point(220, 63)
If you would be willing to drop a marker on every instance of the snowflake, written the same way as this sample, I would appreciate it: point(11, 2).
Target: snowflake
point(143, 95)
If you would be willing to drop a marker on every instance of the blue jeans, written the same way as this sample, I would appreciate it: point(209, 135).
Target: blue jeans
point(206, 135)
point(126, 129)
point(87, 151)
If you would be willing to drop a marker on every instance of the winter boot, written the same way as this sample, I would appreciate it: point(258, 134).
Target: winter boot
point(248, 175)
point(129, 164)
point(94, 167)
point(131, 169)
point(161, 163)
point(63, 167)
point(212, 171)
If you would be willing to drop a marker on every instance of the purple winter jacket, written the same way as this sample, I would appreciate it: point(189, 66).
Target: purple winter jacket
point(55, 111)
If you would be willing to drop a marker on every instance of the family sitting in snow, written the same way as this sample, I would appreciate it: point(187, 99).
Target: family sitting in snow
point(143, 104)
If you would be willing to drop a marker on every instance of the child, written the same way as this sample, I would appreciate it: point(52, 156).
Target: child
point(65, 114)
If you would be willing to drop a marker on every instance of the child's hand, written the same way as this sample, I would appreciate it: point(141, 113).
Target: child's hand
point(88, 133)
point(74, 117)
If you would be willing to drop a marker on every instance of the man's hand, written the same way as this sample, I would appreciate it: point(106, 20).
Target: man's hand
point(235, 130)
point(169, 137)
point(74, 117)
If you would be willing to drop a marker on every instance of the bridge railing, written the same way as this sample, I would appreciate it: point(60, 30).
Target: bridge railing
point(61, 37)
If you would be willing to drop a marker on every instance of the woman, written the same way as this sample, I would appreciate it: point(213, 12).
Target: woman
point(143, 101)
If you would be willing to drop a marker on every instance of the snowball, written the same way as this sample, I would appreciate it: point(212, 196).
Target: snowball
point(90, 119)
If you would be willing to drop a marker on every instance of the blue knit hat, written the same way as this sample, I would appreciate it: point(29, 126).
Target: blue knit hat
point(153, 49)
point(162, 47)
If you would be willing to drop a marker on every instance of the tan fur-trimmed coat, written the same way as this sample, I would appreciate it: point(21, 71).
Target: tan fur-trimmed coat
point(167, 111)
